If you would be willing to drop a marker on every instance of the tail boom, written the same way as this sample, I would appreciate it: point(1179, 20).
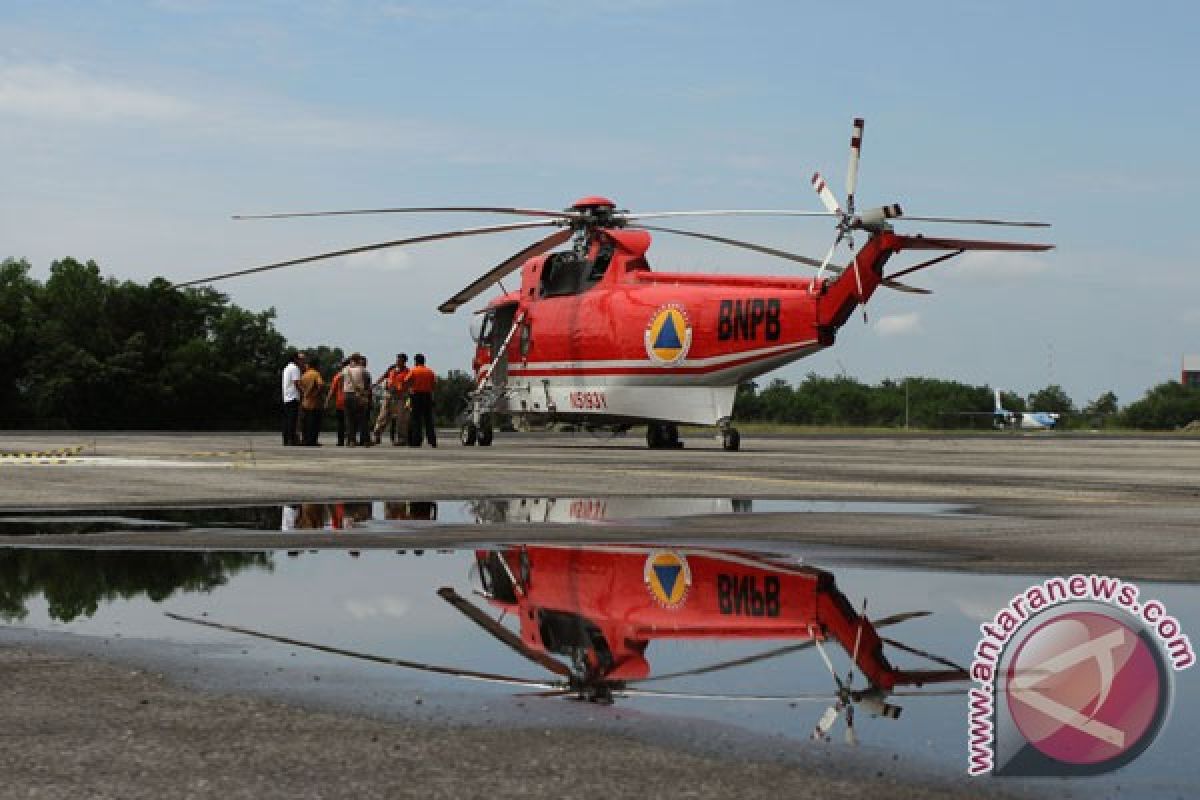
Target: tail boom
point(863, 275)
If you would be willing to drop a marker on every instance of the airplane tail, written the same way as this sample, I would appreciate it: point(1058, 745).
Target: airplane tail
point(999, 409)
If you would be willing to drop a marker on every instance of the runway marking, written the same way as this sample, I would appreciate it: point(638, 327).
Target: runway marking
point(113, 461)
point(61, 452)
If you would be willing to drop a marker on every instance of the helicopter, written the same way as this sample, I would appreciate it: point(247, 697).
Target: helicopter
point(588, 615)
point(594, 337)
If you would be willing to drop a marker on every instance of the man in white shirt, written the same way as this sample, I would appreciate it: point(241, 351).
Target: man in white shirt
point(291, 396)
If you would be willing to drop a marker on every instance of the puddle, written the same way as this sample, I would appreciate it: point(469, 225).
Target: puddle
point(575, 621)
point(384, 515)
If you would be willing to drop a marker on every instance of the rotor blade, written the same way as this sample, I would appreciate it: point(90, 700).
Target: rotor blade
point(960, 221)
point(502, 269)
point(560, 692)
point(758, 248)
point(922, 653)
point(480, 618)
point(923, 265)
point(830, 202)
point(777, 652)
point(828, 256)
point(904, 287)
point(394, 662)
point(729, 212)
point(852, 167)
point(903, 616)
point(801, 697)
point(521, 212)
point(432, 237)
point(931, 693)
point(943, 243)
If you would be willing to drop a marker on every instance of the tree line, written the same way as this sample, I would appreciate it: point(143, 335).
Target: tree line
point(85, 351)
point(931, 403)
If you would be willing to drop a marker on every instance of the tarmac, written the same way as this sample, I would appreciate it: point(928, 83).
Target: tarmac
point(85, 725)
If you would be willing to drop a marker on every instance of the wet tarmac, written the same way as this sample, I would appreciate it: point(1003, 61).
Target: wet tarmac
point(402, 515)
point(653, 634)
point(97, 549)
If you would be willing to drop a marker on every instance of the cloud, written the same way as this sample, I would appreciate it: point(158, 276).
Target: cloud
point(393, 260)
point(998, 267)
point(62, 92)
point(383, 606)
point(53, 93)
point(899, 324)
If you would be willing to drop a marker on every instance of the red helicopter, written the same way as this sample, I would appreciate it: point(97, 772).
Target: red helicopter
point(594, 337)
point(600, 607)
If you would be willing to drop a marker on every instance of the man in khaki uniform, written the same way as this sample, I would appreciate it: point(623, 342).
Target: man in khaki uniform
point(356, 387)
point(395, 402)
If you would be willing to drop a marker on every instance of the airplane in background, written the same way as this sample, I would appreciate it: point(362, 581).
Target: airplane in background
point(1027, 420)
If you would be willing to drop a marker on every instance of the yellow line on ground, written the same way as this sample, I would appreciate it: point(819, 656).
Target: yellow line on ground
point(62, 452)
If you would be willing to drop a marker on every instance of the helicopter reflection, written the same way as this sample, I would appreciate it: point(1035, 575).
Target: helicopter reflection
point(589, 615)
point(502, 510)
point(572, 510)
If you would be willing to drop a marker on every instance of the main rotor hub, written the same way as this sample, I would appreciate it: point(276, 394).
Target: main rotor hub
point(596, 212)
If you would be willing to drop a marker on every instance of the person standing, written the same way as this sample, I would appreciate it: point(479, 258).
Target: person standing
point(311, 386)
point(337, 402)
point(356, 386)
point(421, 381)
point(400, 396)
point(394, 391)
point(368, 400)
point(291, 397)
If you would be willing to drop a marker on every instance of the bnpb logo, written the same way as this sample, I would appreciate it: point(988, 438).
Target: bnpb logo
point(668, 578)
point(668, 335)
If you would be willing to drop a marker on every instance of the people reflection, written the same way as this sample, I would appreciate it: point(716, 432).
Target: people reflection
point(290, 513)
point(410, 510)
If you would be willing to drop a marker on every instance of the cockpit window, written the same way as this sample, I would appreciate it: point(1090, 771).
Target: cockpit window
point(481, 327)
point(565, 274)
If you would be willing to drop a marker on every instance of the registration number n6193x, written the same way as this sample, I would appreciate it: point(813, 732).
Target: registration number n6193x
point(589, 401)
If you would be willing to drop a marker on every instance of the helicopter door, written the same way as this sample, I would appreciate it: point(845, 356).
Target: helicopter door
point(501, 325)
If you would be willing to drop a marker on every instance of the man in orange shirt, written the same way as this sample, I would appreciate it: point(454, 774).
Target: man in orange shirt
point(311, 385)
point(337, 402)
point(421, 381)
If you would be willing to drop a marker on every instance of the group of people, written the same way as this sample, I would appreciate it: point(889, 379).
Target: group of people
point(404, 407)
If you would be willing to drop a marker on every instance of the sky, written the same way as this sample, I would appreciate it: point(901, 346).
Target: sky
point(130, 132)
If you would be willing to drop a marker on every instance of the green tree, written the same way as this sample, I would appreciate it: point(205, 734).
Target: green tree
point(450, 397)
point(1165, 407)
point(18, 303)
point(1052, 398)
point(1098, 412)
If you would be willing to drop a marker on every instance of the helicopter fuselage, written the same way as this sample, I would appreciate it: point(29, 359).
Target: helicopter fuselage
point(600, 338)
point(611, 601)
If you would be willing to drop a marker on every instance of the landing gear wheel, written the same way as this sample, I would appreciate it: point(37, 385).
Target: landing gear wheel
point(731, 440)
point(656, 435)
point(468, 433)
point(485, 433)
point(673, 437)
